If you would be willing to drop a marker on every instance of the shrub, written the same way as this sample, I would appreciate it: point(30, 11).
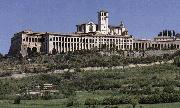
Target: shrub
point(111, 106)
point(133, 102)
point(177, 61)
point(5, 74)
point(17, 100)
point(91, 101)
point(168, 89)
point(115, 100)
point(71, 101)
point(160, 98)
point(46, 95)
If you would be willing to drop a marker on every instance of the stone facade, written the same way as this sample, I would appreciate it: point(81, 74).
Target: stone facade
point(24, 42)
point(71, 42)
point(103, 26)
point(164, 41)
point(88, 36)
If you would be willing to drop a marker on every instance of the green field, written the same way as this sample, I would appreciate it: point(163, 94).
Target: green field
point(80, 96)
point(57, 103)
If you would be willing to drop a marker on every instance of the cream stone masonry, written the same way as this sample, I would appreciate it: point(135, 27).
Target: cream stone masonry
point(71, 42)
point(26, 41)
point(89, 36)
point(165, 40)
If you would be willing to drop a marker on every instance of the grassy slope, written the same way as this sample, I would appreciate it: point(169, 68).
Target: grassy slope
point(59, 104)
point(81, 96)
point(128, 75)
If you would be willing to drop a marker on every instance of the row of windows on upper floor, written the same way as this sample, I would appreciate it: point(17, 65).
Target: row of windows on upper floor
point(87, 40)
point(68, 45)
point(29, 39)
point(61, 43)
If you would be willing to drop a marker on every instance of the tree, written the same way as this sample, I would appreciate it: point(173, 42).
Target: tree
point(46, 95)
point(54, 51)
point(164, 32)
point(169, 33)
point(160, 34)
point(1, 56)
point(91, 101)
point(177, 61)
point(17, 100)
point(168, 89)
point(133, 102)
point(174, 33)
point(72, 101)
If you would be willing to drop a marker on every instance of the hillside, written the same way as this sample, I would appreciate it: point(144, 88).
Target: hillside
point(115, 80)
point(79, 59)
point(154, 84)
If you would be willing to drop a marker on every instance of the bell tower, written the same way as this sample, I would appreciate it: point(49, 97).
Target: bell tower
point(103, 22)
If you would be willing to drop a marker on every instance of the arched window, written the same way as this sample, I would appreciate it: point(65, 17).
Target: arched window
point(91, 28)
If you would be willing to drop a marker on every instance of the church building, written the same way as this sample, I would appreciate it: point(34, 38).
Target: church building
point(88, 36)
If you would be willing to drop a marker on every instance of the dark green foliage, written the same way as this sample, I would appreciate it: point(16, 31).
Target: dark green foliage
point(169, 89)
point(17, 100)
point(177, 60)
point(72, 101)
point(133, 102)
point(115, 100)
point(94, 58)
point(46, 95)
point(69, 103)
point(155, 84)
point(1, 56)
point(111, 106)
point(91, 101)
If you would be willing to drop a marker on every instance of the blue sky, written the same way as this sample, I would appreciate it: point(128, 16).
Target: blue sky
point(143, 18)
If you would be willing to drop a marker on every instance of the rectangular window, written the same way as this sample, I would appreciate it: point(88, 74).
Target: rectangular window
point(29, 39)
point(26, 39)
point(56, 38)
point(53, 38)
point(74, 39)
point(32, 39)
point(39, 40)
point(35, 39)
